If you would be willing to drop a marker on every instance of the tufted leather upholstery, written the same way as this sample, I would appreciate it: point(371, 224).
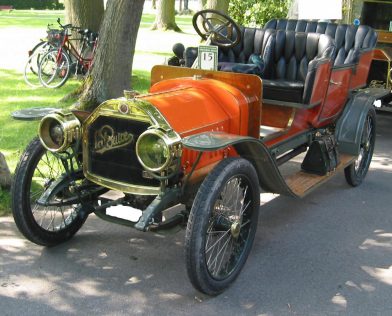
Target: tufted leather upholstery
point(296, 57)
point(350, 40)
point(290, 60)
point(253, 42)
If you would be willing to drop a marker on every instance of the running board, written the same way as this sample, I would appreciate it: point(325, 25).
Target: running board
point(302, 183)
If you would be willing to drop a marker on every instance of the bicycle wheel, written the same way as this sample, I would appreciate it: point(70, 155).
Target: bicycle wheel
point(30, 72)
point(54, 69)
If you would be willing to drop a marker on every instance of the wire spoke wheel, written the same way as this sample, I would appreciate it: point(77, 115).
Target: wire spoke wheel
point(37, 172)
point(54, 69)
point(357, 171)
point(222, 225)
point(30, 72)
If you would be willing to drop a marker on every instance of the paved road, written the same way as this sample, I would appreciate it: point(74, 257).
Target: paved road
point(328, 254)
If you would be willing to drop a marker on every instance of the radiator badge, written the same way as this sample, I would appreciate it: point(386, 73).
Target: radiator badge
point(107, 139)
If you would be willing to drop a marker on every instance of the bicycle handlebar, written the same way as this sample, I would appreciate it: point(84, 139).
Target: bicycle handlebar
point(68, 26)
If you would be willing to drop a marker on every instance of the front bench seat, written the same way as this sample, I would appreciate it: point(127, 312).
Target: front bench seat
point(297, 57)
point(240, 58)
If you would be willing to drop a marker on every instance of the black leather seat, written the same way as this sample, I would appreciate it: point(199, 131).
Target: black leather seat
point(254, 43)
point(350, 40)
point(297, 57)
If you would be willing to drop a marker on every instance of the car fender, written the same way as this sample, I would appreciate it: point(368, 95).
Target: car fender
point(350, 125)
point(252, 149)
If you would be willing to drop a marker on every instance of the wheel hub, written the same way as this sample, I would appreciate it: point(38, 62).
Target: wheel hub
point(235, 229)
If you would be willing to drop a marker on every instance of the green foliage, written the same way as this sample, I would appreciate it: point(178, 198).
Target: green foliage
point(256, 12)
point(33, 4)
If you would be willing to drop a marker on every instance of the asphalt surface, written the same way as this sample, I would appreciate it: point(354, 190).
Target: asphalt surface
point(327, 254)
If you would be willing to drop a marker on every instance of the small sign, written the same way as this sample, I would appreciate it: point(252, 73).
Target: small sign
point(208, 57)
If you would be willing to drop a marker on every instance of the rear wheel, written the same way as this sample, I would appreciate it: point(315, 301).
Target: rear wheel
point(222, 225)
point(48, 225)
point(357, 171)
point(54, 69)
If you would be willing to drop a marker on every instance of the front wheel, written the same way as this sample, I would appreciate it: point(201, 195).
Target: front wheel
point(54, 69)
point(357, 171)
point(222, 225)
point(30, 72)
point(57, 222)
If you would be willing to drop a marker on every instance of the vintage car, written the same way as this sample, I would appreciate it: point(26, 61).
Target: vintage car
point(209, 140)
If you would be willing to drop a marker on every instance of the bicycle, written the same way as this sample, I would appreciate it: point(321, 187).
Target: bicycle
point(30, 72)
point(57, 64)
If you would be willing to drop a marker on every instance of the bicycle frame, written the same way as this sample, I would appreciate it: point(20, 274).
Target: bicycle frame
point(66, 44)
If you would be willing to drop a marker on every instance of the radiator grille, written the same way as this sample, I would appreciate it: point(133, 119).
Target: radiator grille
point(117, 163)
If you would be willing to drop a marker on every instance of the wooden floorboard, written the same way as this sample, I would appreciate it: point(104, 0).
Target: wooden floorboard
point(302, 182)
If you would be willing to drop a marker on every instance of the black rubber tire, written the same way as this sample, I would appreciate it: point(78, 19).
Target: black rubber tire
point(22, 202)
point(51, 75)
point(202, 219)
point(356, 172)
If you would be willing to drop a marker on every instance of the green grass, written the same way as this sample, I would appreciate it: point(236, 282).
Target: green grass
point(41, 18)
point(16, 95)
point(30, 18)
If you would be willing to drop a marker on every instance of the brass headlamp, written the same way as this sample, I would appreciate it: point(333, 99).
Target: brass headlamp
point(59, 130)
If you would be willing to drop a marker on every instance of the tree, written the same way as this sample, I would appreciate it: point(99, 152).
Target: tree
point(84, 13)
point(165, 17)
point(111, 72)
point(255, 12)
point(220, 5)
point(202, 4)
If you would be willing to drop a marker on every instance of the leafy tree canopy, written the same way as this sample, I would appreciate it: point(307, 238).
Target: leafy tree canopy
point(256, 12)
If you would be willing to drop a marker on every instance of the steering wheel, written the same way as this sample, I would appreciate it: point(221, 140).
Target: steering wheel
point(220, 28)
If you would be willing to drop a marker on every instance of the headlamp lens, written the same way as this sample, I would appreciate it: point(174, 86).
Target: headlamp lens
point(153, 151)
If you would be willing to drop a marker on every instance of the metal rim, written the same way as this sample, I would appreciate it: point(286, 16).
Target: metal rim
point(50, 218)
point(229, 227)
point(52, 68)
point(362, 162)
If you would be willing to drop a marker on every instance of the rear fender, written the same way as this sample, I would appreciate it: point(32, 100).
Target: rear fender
point(250, 148)
point(350, 125)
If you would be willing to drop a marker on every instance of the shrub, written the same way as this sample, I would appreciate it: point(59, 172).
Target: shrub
point(33, 4)
point(256, 12)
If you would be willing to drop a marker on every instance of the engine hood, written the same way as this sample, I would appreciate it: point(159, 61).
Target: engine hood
point(192, 106)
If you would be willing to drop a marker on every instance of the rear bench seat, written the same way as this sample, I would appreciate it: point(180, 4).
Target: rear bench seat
point(354, 44)
point(296, 59)
point(350, 40)
point(290, 61)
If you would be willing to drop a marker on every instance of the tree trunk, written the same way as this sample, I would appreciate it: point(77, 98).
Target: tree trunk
point(154, 4)
point(165, 18)
point(111, 72)
point(5, 174)
point(84, 13)
point(202, 4)
point(220, 5)
point(186, 5)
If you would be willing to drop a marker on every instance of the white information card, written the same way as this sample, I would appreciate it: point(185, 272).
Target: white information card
point(208, 57)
